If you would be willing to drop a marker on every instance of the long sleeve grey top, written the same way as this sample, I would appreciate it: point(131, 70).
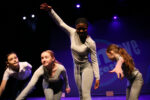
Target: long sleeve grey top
point(61, 71)
point(80, 51)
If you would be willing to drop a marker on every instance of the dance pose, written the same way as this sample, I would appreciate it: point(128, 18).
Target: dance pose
point(125, 67)
point(83, 49)
point(52, 72)
point(19, 72)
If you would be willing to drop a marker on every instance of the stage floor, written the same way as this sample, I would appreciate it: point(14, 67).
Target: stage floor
point(142, 97)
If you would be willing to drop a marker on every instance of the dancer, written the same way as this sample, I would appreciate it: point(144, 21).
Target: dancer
point(52, 72)
point(83, 51)
point(18, 72)
point(125, 67)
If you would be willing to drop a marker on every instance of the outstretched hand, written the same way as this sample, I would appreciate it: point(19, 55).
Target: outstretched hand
point(118, 71)
point(96, 86)
point(45, 6)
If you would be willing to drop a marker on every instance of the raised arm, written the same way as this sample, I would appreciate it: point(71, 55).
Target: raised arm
point(31, 84)
point(57, 19)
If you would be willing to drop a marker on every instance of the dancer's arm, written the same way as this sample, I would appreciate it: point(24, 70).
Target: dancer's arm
point(57, 19)
point(118, 68)
point(94, 61)
point(31, 84)
point(4, 81)
point(2, 86)
point(65, 76)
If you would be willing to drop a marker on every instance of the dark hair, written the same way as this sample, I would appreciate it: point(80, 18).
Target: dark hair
point(81, 20)
point(10, 54)
point(6, 59)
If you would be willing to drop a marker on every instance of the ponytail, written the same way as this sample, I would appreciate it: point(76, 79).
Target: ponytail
point(128, 60)
point(123, 53)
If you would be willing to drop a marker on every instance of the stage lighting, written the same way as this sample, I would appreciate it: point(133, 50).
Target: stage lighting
point(115, 17)
point(32, 16)
point(24, 17)
point(78, 5)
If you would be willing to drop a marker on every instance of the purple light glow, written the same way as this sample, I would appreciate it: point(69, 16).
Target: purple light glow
point(115, 17)
point(78, 5)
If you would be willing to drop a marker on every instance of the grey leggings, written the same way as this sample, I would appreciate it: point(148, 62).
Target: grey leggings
point(84, 79)
point(134, 88)
point(52, 91)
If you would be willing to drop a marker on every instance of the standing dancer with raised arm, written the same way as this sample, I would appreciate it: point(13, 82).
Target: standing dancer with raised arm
point(82, 47)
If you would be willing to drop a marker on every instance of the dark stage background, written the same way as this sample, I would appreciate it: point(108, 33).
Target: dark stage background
point(28, 38)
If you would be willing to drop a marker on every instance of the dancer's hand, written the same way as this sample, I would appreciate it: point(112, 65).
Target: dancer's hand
point(45, 6)
point(68, 90)
point(96, 86)
point(118, 68)
point(118, 71)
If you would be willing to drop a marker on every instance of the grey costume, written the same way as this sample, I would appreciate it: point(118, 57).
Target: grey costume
point(52, 86)
point(134, 83)
point(17, 80)
point(84, 68)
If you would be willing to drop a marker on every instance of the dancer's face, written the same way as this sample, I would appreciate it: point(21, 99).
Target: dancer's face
point(81, 29)
point(111, 55)
point(13, 61)
point(46, 59)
